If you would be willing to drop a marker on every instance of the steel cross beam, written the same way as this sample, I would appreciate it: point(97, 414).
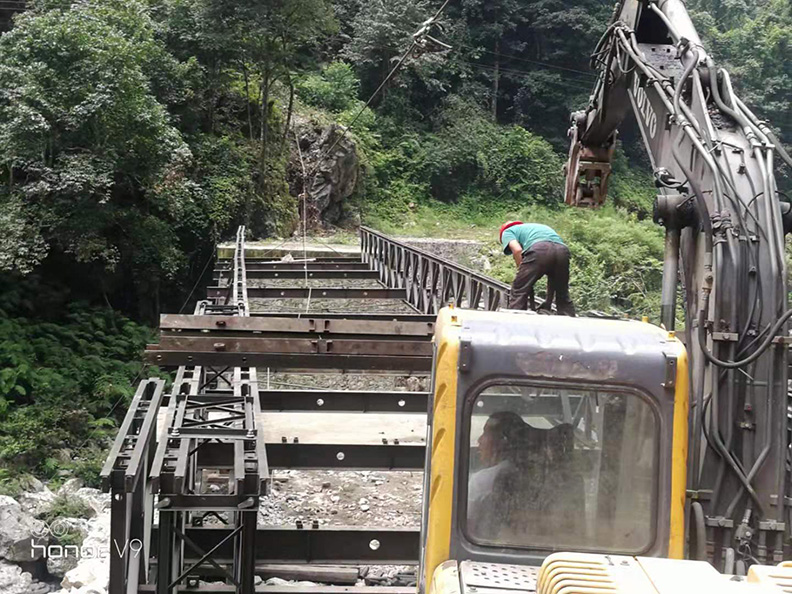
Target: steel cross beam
point(311, 273)
point(319, 324)
point(215, 588)
point(343, 401)
point(309, 345)
point(319, 260)
point(327, 362)
point(353, 546)
point(304, 293)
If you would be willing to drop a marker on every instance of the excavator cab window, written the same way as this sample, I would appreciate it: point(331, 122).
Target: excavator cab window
point(561, 467)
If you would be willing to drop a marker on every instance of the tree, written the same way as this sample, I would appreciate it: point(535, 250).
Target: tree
point(383, 31)
point(270, 38)
point(86, 148)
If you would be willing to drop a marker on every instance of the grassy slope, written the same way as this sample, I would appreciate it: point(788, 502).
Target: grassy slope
point(616, 259)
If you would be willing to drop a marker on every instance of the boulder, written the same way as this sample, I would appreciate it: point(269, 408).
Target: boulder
point(89, 575)
point(99, 502)
point(20, 533)
point(61, 558)
point(36, 503)
point(70, 487)
point(13, 580)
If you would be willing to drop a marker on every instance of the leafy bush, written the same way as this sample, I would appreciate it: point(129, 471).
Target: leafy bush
point(471, 154)
point(67, 506)
point(335, 88)
point(60, 385)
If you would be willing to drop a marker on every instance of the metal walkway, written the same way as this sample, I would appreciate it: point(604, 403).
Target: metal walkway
point(170, 532)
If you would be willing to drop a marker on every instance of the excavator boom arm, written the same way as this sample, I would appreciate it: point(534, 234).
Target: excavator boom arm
point(713, 163)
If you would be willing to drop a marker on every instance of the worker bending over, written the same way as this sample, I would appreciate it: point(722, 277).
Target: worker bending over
point(538, 251)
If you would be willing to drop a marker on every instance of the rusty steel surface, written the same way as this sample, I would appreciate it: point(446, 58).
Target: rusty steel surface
point(315, 324)
point(300, 274)
point(212, 419)
point(430, 282)
point(310, 345)
point(288, 362)
point(303, 293)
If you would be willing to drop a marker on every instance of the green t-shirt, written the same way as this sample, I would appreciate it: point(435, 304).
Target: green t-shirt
point(528, 234)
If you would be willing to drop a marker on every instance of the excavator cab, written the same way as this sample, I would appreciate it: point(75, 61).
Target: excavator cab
point(546, 434)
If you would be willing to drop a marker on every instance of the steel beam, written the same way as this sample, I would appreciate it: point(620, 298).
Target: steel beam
point(354, 546)
point(343, 401)
point(308, 346)
point(216, 588)
point(318, 260)
point(333, 274)
point(314, 456)
point(315, 324)
point(303, 293)
point(351, 315)
point(312, 266)
point(346, 363)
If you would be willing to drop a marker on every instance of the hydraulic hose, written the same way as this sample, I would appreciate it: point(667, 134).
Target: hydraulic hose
point(765, 448)
point(702, 336)
point(722, 449)
point(700, 530)
point(779, 147)
point(671, 29)
point(701, 203)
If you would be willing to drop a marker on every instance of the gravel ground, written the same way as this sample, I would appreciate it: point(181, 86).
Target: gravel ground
point(319, 305)
point(347, 498)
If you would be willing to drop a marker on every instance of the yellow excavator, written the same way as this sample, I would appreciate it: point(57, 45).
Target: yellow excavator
point(586, 455)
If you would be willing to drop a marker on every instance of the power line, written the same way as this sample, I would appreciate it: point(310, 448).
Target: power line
point(588, 74)
point(426, 25)
point(523, 74)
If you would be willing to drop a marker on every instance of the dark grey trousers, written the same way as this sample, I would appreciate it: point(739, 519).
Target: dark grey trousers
point(544, 258)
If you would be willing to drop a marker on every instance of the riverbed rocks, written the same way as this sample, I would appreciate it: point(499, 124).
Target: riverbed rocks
point(21, 534)
point(13, 580)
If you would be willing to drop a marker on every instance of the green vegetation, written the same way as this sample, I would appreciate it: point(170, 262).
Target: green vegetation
point(136, 134)
point(64, 382)
point(67, 506)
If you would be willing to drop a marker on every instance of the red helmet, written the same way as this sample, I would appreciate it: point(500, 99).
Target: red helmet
point(506, 226)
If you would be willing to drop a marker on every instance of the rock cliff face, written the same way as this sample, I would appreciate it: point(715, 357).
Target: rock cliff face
point(332, 167)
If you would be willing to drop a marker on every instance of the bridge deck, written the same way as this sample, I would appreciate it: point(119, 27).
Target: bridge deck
point(221, 417)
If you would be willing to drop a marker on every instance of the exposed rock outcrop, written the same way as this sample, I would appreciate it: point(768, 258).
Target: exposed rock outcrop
point(333, 171)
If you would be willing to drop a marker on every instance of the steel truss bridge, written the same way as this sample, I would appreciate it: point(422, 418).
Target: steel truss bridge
point(190, 538)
